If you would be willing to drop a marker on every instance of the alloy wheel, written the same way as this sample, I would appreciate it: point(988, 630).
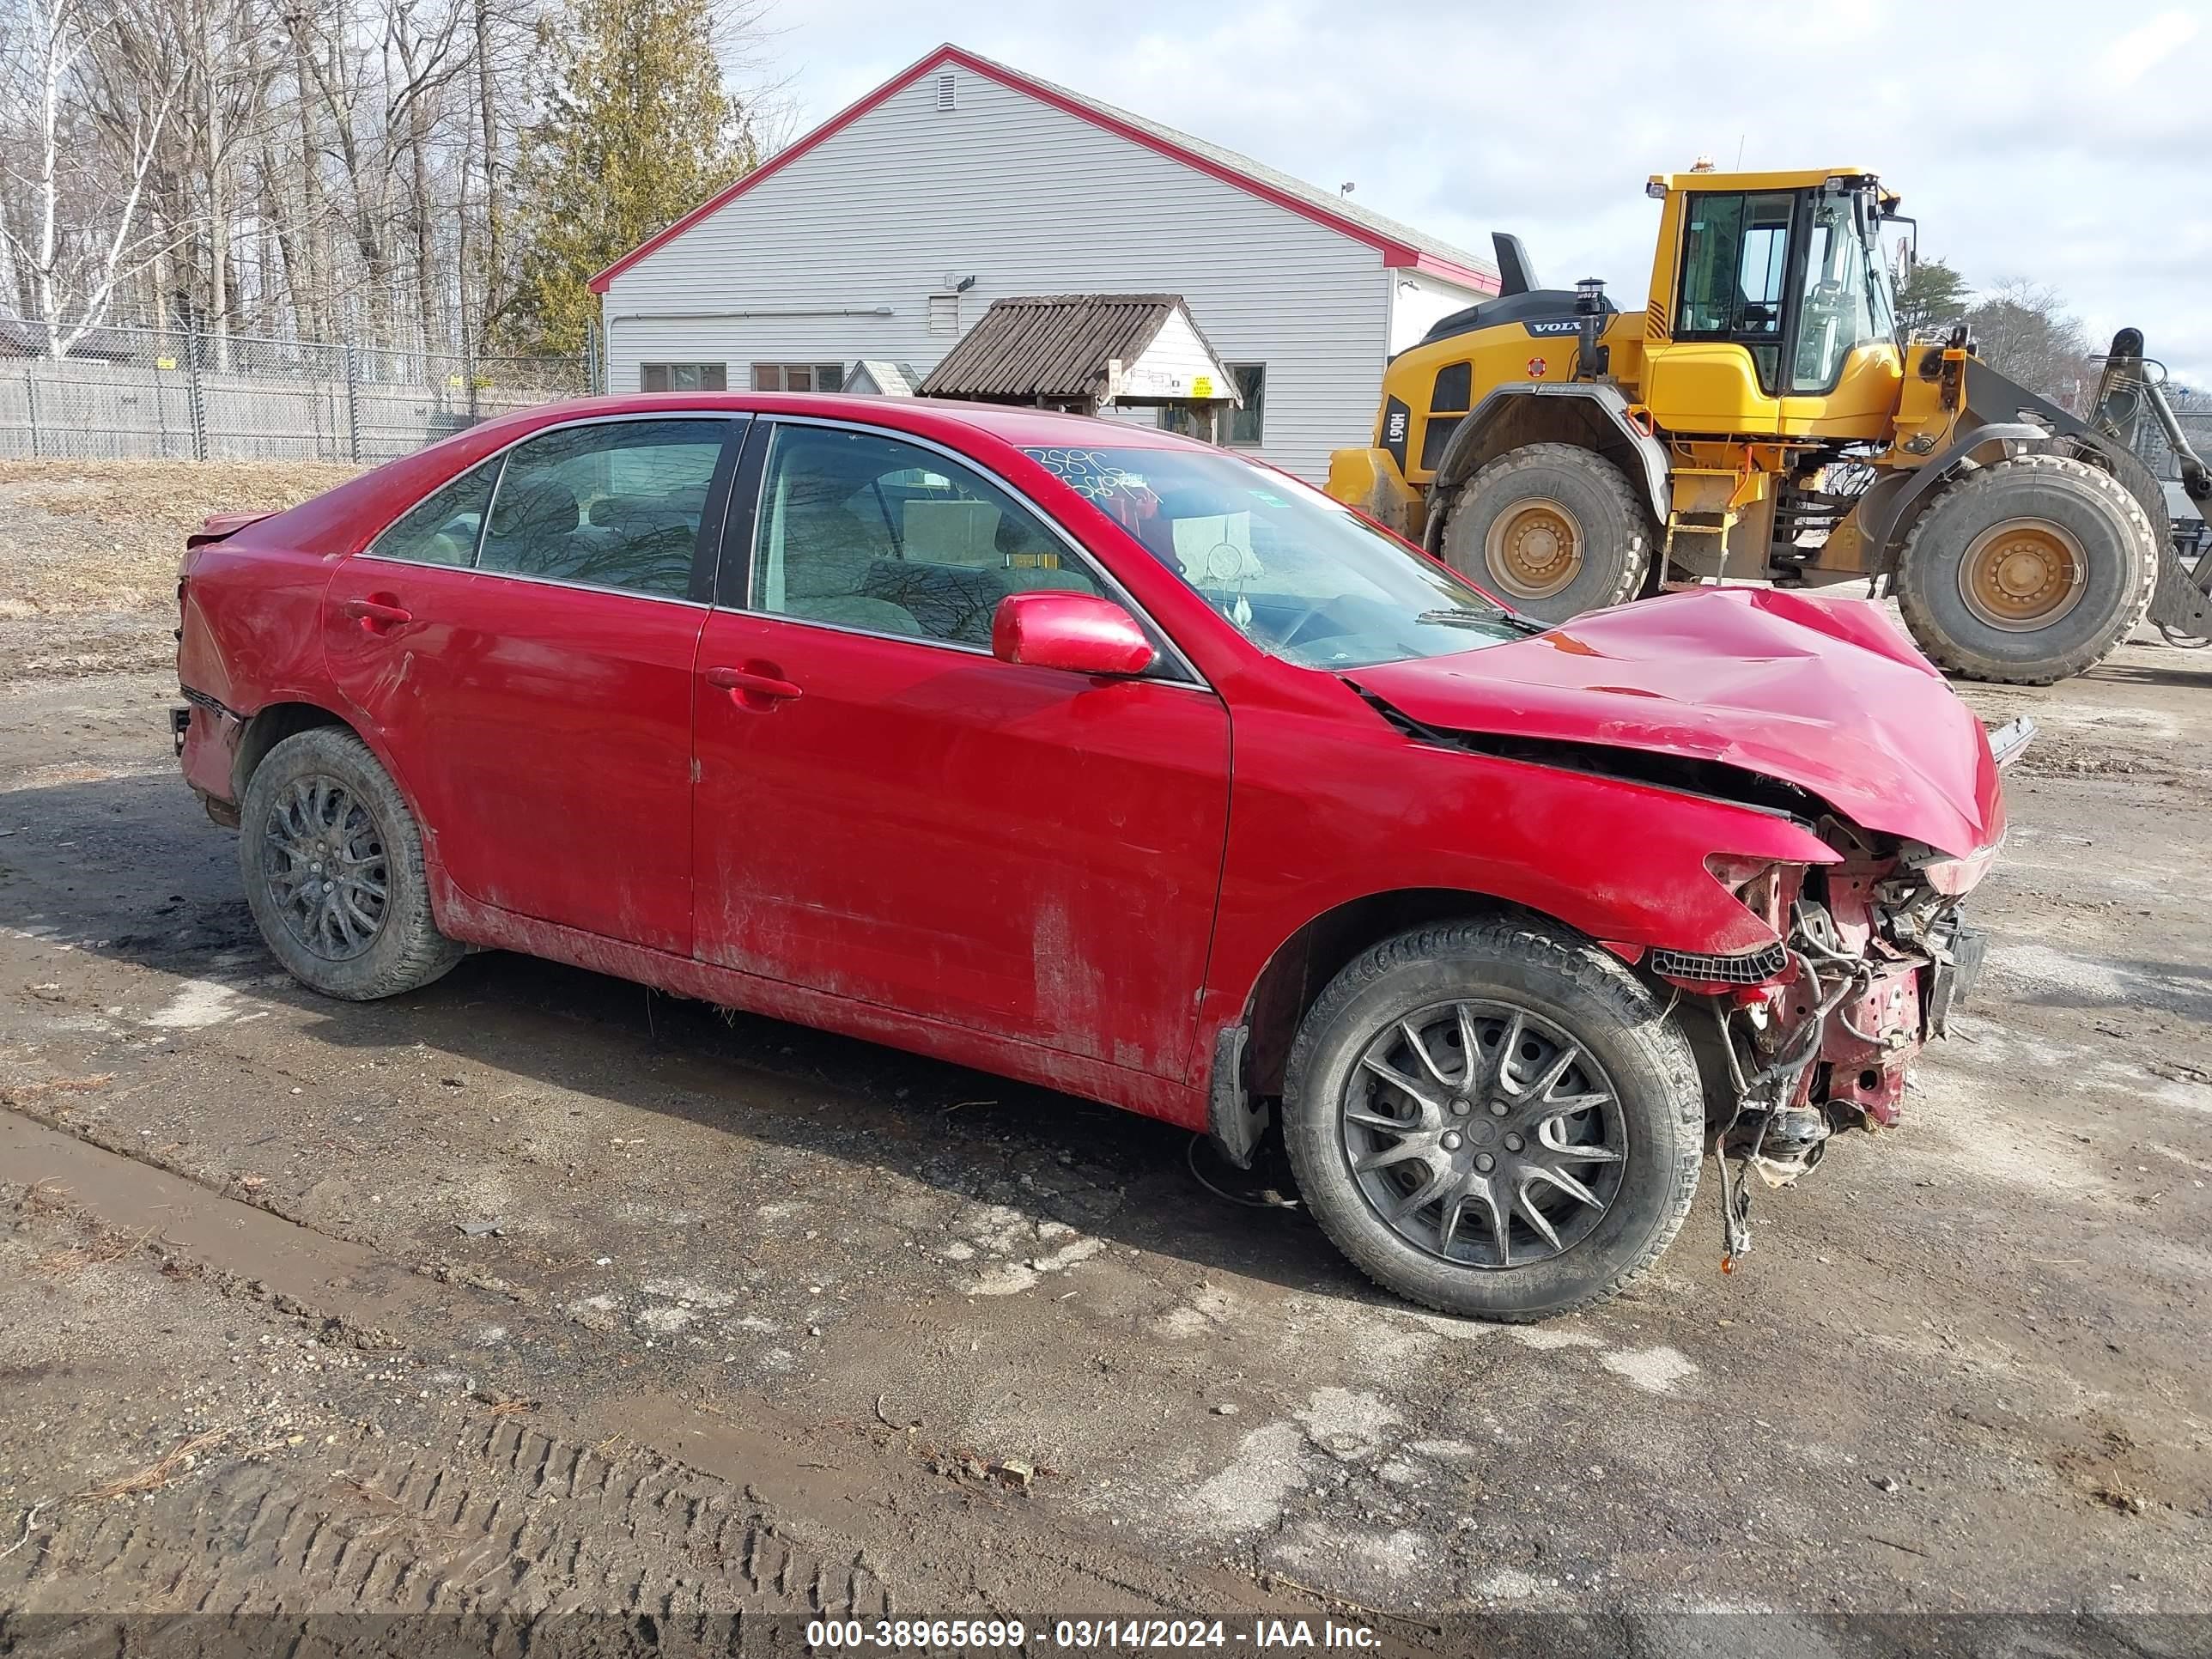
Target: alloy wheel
point(1483, 1134)
point(325, 866)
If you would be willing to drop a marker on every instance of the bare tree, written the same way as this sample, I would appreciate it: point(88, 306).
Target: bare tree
point(2024, 332)
point(82, 237)
point(321, 168)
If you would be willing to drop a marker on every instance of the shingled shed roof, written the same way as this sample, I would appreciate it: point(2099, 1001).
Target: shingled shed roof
point(1068, 346)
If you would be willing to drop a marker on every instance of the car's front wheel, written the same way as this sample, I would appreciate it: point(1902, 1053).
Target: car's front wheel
point(333, 867)
point(1495, 1119)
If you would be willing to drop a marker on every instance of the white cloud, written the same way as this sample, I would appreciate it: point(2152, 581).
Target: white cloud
point(2032, 139)
point(2143, 49)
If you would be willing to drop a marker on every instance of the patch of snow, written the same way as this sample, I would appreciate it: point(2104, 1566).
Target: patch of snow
point(1654, 1370)
point(1015, 1277)
point(197, 1003)
point(1250, 1493)
point(1546, 1338)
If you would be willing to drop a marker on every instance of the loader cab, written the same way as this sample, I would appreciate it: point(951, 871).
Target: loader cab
point(1771, 313)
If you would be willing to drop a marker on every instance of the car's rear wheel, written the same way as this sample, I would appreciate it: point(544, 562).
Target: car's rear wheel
point(332, 861)
point(1494, 1119)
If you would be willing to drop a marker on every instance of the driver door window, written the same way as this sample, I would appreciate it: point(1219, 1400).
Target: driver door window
point(870, 533)
point(1735, 267)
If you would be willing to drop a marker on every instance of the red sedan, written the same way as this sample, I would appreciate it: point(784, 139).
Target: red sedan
point(1081, 753)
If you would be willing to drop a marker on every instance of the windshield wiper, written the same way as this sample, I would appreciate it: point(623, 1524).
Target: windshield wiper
point(1455, 617)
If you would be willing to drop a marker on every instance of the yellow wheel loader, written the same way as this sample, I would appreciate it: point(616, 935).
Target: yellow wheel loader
point(1761, 418)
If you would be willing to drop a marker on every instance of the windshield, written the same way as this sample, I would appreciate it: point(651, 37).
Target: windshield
point(1296, 573)
point(1847, 298)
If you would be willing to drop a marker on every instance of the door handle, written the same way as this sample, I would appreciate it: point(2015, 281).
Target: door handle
point(748, 683)
point(376, 613)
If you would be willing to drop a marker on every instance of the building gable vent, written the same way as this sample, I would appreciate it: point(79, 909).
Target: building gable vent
point(948, 90)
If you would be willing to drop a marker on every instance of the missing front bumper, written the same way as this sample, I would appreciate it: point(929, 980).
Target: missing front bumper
point(1955, 979)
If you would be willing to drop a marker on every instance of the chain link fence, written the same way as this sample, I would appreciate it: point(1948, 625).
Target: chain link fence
point(138, 393)
point(2192, 413)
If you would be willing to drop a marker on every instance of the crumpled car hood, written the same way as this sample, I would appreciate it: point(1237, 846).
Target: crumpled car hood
point(1823, 693)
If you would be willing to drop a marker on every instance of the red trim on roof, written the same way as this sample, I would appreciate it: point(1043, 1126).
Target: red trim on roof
point(1449, 269)
point(1394, 254)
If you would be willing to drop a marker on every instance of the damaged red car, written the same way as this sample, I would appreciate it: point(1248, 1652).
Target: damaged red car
point(1093, 756)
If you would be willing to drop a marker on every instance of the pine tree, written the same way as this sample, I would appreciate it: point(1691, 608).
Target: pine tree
point(636, 131)
point(1930, 298)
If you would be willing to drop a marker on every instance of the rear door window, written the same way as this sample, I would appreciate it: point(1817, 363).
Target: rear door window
point(611, 504)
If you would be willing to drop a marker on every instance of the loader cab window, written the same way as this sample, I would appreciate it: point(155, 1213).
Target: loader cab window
point(1847, 299)
point(1735, 274)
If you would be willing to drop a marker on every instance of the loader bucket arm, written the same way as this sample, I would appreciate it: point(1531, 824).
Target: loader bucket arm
point(2125, 392)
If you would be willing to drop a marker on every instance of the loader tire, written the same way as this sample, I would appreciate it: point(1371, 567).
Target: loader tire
point(2174, 596)
point(2028, 571)
point(1552, 530)
point(2139, 481)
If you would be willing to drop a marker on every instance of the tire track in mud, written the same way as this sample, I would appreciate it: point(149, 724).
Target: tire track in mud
point(650, 1504)
point(512, 1520)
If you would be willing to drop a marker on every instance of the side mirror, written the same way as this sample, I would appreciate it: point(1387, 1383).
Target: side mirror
point(1080, 632)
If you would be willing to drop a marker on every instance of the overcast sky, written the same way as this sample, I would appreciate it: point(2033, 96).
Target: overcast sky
point(2068, 143)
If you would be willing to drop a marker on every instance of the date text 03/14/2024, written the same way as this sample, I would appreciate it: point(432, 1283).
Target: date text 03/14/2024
point(1262, 1635)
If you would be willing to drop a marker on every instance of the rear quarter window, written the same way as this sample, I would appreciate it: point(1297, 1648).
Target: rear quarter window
point(442, 527)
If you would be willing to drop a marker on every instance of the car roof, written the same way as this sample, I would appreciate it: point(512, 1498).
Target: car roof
point(947, 418)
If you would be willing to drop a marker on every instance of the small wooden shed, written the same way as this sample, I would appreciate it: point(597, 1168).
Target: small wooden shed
point(1085, 353)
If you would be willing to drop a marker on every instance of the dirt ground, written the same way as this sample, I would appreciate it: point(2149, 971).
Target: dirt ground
point(92, 550)
point(535, 1290)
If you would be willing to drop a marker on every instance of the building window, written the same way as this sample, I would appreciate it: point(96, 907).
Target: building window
point(798, 377)
point(1246, 425)
point(682, 377)
point(944, 313)
point(1237, 429)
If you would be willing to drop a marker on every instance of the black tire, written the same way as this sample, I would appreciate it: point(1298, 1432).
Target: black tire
point(1643, 1063)
point(2173, 591)
point(2134, 475)
point(1500, 529)
point(2118, 558)
point(323, 789)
